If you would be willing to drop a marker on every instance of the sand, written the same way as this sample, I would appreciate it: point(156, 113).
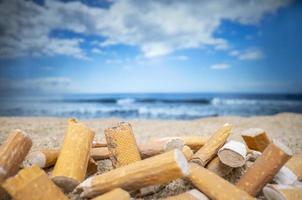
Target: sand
point(49, 132)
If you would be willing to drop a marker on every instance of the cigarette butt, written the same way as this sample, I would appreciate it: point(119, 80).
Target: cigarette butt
point(71, 166)
point(291, 171)
point(92, 167)
point(100, 153)
point(295, 165)
point(214, 186)
point(195, 142)
point(282, 192)
point(189, 195)
point(265, 168)
point(210, 149)
point(233, 154)
point(159, 146)
point(122, 145)
point(285, 176)
point(99, 143)
point(32, 184)
point(216, 166)
point(47, 158)
point(118, 194)
point(151, 171)
point(256, 139)
point(187, 151)
point(42, 158)
point(12, 153)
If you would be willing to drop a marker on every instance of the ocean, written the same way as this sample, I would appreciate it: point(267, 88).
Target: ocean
point(151, 106)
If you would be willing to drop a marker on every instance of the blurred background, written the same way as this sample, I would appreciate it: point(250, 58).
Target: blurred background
point(155, 59)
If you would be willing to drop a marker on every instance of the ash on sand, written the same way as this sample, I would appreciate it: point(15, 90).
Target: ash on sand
point(49, 132)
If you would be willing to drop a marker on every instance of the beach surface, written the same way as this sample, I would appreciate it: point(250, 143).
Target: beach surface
point(49, 132)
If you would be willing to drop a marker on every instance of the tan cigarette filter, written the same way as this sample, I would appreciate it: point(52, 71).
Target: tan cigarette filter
point(187, 151)
point(92, 167)
point(256, 139)
point(71, 166)
point(151, 171)
point(194, 142)
point(99, 153)
point(99, 143)
point(216, 166)
point(122, 145)
point(189, 195)
point(265, 168)
point(118, 194)
point(233, 154)
point(155, 147)
point(282, 192)
point(32, 184)
point(42, 158)
point(12, 153)
point(210, 149)
point(295, 165)
point(213, 186)
point(47, 158)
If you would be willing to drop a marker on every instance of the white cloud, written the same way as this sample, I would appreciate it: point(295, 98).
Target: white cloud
point(234, 53)
point(220, 66)
point(252, 54)
point(180, 58)
point(249, 54)
point(25, 31)
point(156, 27)
point(97, 51)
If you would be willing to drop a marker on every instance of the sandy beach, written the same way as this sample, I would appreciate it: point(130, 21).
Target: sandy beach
point(49, 132)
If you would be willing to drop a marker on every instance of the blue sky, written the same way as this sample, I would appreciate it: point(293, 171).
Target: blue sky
point(151, 46)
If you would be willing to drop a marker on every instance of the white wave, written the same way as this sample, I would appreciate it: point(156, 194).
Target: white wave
point(219, 101)
point(173, 112)
point(126, 101)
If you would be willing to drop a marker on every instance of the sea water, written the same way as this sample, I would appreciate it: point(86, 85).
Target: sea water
point(151, 105)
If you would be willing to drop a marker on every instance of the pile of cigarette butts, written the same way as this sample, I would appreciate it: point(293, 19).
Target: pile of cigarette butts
point(203, 161)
